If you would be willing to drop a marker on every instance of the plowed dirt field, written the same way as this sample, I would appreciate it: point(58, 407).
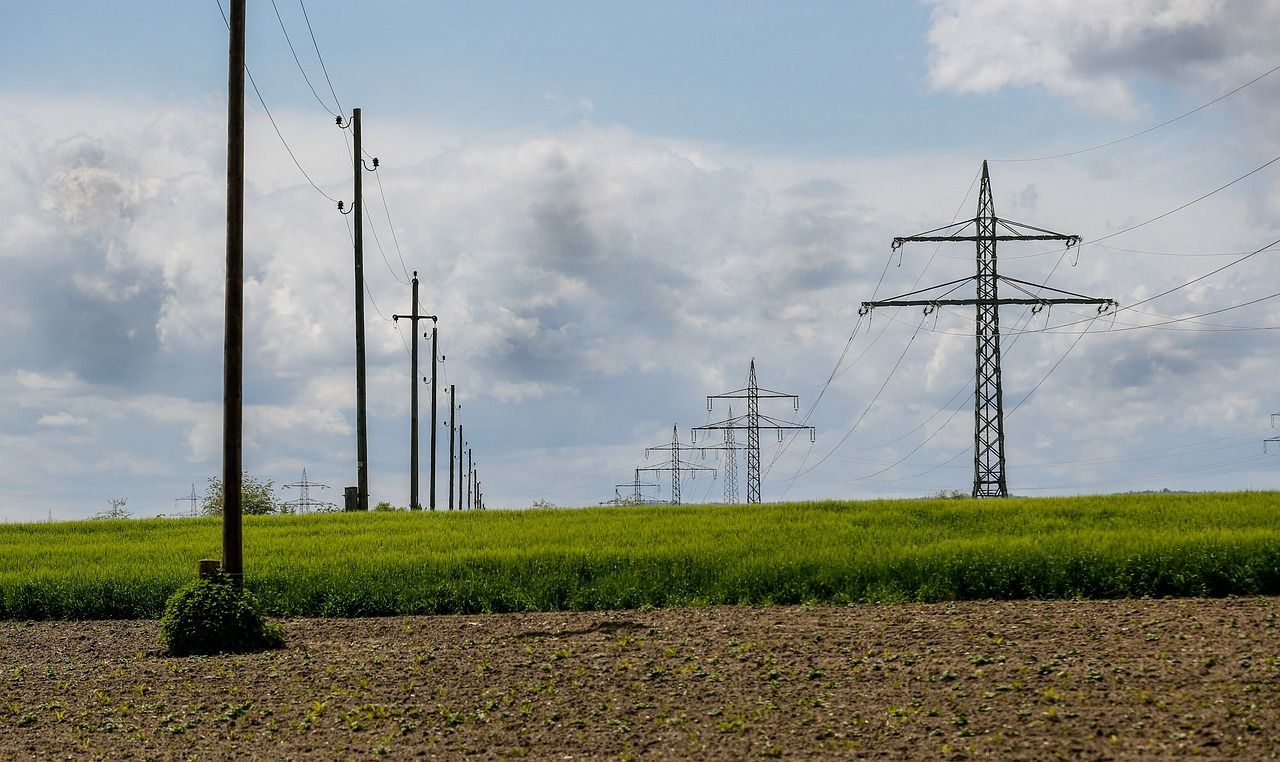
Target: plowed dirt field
point(1029, 680)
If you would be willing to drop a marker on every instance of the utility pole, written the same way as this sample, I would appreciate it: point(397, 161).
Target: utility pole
point(462, 446)
point(357, 206)
point(434, 424)
point(233, 342)
point(988, 400)
point(414, 505)
point(453, 430)
point(751, 422)
point(675, 465)
point(469, 476)
point(730, 449)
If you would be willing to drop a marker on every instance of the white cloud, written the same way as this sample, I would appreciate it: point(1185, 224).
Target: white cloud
point(1090, 51)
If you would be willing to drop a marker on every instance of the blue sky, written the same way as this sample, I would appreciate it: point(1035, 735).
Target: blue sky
point(613, 208)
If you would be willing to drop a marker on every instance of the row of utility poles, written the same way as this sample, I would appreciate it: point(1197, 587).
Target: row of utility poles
point(357, 497)
point(752, 423)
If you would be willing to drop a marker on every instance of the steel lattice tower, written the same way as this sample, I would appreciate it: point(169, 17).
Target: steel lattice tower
point(675, 465)
point(1270, 440)
point(304, 503)
point(730, 466)
point(988, 403)
point(751, 422)
point(729, 447)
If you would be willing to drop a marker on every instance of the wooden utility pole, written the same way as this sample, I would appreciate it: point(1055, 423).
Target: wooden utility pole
point(434, 424)
point(414, 505)
point(462, 446)
point(468, 478)
point(453, 430)
point(362, 432)
point(233, 342)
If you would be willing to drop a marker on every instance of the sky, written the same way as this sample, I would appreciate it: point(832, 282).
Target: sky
point(613, 208)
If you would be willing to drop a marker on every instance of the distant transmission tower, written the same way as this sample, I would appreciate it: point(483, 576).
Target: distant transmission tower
point(304, 503)
point(191, 500)
point(730, 449)
point(1265, 442)
point(675, 465)
point(988, 401)
point(752, 423)
point(636, 489)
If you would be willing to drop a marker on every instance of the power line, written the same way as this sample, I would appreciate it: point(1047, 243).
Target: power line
point(272, 119)
point(391, 227)
point(316, 45)
point(1140, 133)
point(296, 60)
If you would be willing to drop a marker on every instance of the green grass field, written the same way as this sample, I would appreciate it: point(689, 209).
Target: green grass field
point(608, 558)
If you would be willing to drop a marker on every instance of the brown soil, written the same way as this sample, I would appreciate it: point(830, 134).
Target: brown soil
point(1032, 680)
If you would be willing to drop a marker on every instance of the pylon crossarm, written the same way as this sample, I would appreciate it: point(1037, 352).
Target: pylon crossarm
point(1045, 235)
point(953, 283)
point(1266, 441)
point(928, 235)
point(982, 302)
point(1042, 287)
point(744, 393)
point(728, 423)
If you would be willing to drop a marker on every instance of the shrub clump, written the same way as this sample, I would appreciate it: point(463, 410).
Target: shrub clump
point(214, 615)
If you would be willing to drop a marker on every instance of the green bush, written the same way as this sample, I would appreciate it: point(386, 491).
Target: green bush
point(214, 615)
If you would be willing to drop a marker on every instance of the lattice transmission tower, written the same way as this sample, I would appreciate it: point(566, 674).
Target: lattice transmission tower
point(985, 230)
point(304, 503)
point(192, 501)
point(730, 449)
point(751, 422)
point(676, 466)
point(1270, 440)
point(636, 494)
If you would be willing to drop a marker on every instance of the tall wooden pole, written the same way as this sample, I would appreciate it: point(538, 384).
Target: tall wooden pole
point(462, 447)
point(469, 478)
point(414, 505)
point(233, 342)
point(362, 433)
point(453, 430)
point(434, 424)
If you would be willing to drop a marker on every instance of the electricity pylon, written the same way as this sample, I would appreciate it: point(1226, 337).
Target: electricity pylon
point(304, 503)
point(751, 422)
point(988, 401)
point(636, 488)
point(675, 465)
point(1274, 416)
point(730, 449)
point(191, 500)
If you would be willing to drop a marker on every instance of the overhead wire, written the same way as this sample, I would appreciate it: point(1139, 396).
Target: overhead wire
point(272, 119)
point(298, 61)
point(1140, 133)
point(836, 372)
point(320, 57)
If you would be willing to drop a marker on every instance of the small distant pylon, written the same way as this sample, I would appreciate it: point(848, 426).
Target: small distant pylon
point(191, 500)
point(729, 447)
point(304, 503)
point(752, 423)
point(675, 465)
point(1270, 440)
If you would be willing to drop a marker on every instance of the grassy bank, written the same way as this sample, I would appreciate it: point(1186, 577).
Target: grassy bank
point(600, 558)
